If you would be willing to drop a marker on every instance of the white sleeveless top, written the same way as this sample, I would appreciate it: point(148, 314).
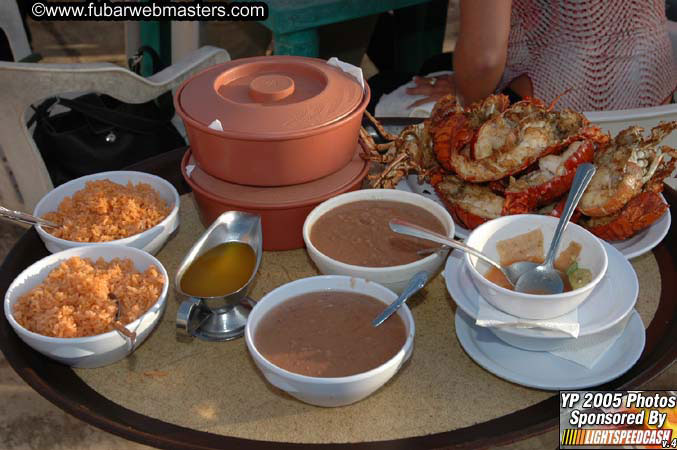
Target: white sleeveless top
point(613, 54)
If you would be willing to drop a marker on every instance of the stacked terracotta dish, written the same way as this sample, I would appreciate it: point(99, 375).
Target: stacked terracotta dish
point(274, 136)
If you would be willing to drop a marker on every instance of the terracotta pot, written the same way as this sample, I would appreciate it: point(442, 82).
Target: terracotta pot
point(283, 210)
point(286, 119)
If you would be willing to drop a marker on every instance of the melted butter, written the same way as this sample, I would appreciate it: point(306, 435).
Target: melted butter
point(221, 270)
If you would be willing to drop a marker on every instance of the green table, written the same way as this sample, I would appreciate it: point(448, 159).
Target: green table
point(295, 24)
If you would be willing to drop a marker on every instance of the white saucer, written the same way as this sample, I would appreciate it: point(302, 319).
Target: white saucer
point(611, 301)
point(641, 243)
point(544, 370)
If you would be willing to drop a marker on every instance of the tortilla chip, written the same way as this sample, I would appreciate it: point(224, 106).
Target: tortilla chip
point(567, 257)
point(524, 247)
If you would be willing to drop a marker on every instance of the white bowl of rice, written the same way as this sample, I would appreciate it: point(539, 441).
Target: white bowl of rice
point(134, 209)
point(63, 306)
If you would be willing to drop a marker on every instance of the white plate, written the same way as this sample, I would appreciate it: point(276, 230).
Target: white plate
point(396, 103)
point(611, 301)
point(637, 245)
point(544, 370)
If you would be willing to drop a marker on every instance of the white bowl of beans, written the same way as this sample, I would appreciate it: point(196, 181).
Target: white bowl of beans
point(361, 244)
point(313, 338)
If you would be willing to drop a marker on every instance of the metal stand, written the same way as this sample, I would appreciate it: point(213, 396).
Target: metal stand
point(194, 319)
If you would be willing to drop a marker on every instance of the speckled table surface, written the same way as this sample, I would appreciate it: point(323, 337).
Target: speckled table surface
point(215, 387)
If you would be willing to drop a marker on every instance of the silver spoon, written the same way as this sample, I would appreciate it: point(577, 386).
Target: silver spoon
point(429, 251)
point(415, 284)
point(118, 325)
point(543, 278)
point(512, 272)
point(23, 217)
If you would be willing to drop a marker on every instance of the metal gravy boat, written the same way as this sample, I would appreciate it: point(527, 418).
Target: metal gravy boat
point(222, 317)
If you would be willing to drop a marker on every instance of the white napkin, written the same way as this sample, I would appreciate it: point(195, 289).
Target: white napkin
point(488, 316)
point(348, 68)
point(396, 103)
point(588, 350)
point(216, 125)
point(423, 111)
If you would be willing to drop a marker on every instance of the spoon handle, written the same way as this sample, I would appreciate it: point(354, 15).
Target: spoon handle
point(131, 335)
point(417, 282)
point(403, 227)
point(582, 178)
point(23, 217)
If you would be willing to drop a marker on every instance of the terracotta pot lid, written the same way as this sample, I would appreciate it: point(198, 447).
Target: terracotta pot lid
point(277, 197)
point(270, 95)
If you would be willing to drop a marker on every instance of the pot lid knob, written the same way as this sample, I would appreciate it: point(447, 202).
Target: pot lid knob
point(270, 88)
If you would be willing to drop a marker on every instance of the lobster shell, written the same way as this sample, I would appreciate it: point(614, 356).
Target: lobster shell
point(464, 217)
point(509, 142)
point(469, 204)
point(526, 200)
point(628, 160)
point(455, 134)
point(453, 128)
point(559, 209)
point(639, 213)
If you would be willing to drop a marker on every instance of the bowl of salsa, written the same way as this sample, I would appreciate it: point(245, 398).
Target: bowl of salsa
point(581, 260)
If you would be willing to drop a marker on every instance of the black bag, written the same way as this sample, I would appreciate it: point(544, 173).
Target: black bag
point(100, 133)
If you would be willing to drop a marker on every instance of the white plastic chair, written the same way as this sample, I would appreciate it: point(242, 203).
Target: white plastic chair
point(25, 179)
point(12, 26)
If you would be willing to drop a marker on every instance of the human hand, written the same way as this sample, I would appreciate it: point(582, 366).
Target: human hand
point(433, 88)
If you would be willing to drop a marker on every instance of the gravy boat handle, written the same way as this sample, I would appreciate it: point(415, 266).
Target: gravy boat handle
point(184, 316)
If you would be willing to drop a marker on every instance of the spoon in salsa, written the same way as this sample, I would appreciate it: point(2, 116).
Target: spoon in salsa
point(543, 279)
point(511, 272)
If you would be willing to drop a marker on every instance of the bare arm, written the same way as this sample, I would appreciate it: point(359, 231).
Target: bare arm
point(482, 47)
point(480, 55)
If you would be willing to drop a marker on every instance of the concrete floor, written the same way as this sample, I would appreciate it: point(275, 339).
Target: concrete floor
point(28, 421)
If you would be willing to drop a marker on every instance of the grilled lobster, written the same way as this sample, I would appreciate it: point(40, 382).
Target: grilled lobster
point(492, 159)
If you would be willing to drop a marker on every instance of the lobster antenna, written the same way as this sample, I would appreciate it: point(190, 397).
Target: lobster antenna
point(379, 128)
point(552, 104)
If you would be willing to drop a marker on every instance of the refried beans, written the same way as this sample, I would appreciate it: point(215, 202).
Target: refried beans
point(329, 334)
point(358, 233)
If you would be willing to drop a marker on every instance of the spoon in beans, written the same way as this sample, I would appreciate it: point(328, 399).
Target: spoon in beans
point(511, 272)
